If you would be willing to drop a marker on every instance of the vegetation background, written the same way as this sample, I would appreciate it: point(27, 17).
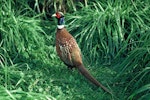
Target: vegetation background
point(114, 37)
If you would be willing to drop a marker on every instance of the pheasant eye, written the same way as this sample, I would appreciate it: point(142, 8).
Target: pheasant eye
point(58, 15)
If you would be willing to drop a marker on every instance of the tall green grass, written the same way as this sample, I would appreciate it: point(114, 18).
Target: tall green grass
point(117, 32)
point(21, 36)
point(22, 48)
point(105, 28)
point(19, 94)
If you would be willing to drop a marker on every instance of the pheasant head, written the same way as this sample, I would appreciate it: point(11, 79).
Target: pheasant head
point(60, 19)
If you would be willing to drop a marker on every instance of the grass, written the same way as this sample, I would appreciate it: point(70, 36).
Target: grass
point(114, 37)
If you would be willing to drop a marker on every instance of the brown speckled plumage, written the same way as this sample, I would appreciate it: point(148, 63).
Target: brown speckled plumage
point(69, 51)
point(67, 48)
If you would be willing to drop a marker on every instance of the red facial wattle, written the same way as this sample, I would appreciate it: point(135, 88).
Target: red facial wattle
point(58, 15)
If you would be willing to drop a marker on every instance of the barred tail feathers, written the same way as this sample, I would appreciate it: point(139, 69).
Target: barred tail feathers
point(86, 74)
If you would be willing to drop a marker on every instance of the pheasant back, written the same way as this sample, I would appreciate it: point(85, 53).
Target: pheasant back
point(67, 48)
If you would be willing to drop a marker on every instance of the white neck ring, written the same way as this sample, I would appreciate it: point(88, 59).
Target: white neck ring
point(60, 26)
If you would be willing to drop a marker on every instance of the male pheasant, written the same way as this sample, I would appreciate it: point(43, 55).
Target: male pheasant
point(69, 51)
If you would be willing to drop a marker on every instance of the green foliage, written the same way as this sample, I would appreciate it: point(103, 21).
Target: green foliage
point(22, 36)
point(116, 33)
point(111, 27)
point(19, 94)
point(22, 47)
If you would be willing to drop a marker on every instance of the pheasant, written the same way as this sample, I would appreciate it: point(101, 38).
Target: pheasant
point(69, 51)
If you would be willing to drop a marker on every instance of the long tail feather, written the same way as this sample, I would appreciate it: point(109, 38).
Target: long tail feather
point(86, 73)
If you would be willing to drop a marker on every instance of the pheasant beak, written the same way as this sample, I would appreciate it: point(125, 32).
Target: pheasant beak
point(54, 15)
